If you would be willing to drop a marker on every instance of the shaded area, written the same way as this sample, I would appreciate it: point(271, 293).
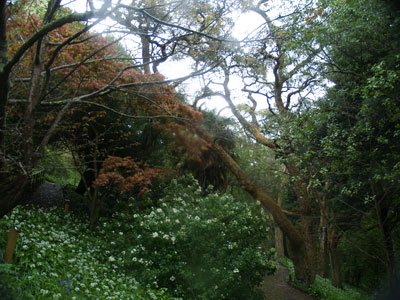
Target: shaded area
point(275, 287)
point(48, 195)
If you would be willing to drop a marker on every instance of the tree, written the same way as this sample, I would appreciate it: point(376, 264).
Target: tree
point(15, 171)
point(268, 174)
point(294, 73)
point(51, 50)
point(361, 115)
point(348, 155)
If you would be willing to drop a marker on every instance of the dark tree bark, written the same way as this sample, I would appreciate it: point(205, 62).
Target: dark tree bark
point(12, 190)
point(382, 208)
point(4, 78)
point(279, 241)
point(333, 241)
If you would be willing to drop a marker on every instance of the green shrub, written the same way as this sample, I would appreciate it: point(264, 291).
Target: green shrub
point(57, 257)
point(323, 289)
point(286, 262)
point(199, 247)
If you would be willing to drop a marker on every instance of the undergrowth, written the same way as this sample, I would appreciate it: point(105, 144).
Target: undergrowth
point(57, 257)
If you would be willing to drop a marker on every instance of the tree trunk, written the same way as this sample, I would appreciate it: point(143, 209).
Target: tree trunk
point(145, 52)
point(323, 239)
point(28, 150)
point(4, 79)
point(94, 208)
point(306, 218)
point(303, 241)
point(382, 209)
point(333, 241)
point(4, 88)
point(279, 244)
point(301, 262)
point(11, 193)
point(308, 233)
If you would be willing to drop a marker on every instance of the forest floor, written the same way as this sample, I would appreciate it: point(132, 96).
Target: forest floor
point(275, 287)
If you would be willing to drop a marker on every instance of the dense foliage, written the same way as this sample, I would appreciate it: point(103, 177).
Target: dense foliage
point(194, 247)
point(208, 247)
point(57, 257)
point(347, 145)
point(316, 143)
point(323, 289)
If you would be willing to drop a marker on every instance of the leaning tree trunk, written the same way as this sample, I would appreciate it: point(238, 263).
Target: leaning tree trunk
point(300, 251)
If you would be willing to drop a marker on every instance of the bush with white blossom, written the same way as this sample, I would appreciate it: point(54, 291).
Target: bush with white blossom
point(200, 247)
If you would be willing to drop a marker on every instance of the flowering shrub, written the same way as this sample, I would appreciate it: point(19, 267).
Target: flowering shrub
point(57, 257)
point(204, 248)
point(198, 247)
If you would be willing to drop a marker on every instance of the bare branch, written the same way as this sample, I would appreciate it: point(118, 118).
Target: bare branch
point(148, 117)
point(27, 79)
point(157, 20)
point(253, 128)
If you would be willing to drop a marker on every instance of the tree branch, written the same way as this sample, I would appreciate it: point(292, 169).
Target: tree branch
point(252, 128)
point(76, 17)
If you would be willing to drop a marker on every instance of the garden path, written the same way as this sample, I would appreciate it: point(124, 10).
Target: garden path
point(275, 287)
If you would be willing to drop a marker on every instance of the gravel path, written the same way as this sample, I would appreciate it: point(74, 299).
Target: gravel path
point(275, 287)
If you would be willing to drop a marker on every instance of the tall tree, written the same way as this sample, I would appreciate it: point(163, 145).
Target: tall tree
point(279, 67)
point(361, 113)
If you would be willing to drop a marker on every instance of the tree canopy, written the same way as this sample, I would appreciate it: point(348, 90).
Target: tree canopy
point(317, 101)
